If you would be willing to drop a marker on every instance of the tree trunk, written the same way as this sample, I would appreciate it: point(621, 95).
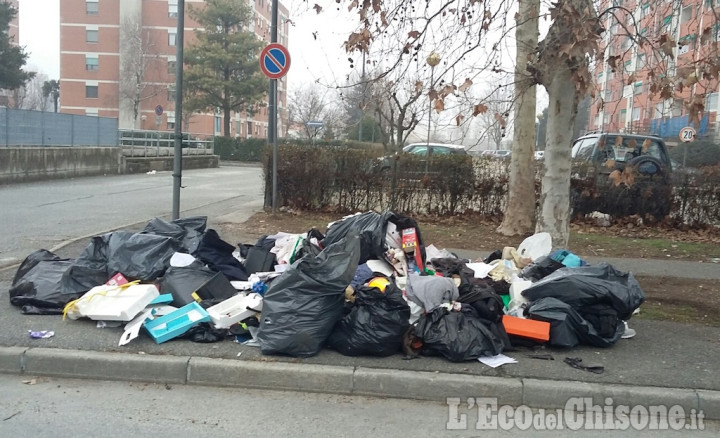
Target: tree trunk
point(520, 212)
point(555, 197)
point(226, 121)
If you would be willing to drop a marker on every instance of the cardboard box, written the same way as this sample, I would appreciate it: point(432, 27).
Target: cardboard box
point(527, 328)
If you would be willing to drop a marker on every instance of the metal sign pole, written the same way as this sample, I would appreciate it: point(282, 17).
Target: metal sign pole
point(272, 131)
point(177, 158)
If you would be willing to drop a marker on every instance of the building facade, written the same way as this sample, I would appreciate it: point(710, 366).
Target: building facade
point(118, 59)
point(653, 67)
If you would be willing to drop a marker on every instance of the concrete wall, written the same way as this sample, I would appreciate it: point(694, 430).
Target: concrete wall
point(25, 164)
point(32, 164)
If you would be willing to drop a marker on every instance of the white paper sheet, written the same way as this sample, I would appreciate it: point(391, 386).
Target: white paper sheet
point(481, 269)
point(496, 361)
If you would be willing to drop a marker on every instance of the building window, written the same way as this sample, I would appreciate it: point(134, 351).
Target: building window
point(91, 35)
point(91, 63)
point(91, 91)
point(172, 38)
point(686, 14)
point(640, 63)
point(171, 93)
point(637, 89)
point(172, 8)
point(636, 114)
point(92, 7)
point(171, 67)
point(711, 102)
point(218, 124)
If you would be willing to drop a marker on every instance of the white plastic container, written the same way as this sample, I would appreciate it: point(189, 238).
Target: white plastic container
point(516, 298)
point(114, 303)
point(234, 309)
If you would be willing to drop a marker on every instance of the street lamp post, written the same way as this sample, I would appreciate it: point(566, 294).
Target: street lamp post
point(433, 59)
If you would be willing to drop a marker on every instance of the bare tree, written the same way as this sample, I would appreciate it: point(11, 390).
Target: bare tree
point(138, 61)
point(30, 95)
point(314, 103)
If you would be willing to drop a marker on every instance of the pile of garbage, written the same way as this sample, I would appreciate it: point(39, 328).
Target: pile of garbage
point(368, 286)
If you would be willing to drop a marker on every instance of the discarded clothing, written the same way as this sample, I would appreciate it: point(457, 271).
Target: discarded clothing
point(430, 291)
point(217, 254)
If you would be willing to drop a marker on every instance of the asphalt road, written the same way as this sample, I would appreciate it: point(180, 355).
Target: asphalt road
point(44, 214)
point(49, 407)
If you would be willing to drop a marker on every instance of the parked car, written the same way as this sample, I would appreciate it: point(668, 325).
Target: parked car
point(425, 152)
point(621, 174)
point(502, 154)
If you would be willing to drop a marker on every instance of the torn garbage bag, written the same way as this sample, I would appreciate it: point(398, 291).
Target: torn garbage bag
point(302, 306)
point(459, 335)
point(36, 287)
point(187, 231)
point(588, 285)
point(375, 325)
point(372, 228)
point(568, 328)
point(430, 291)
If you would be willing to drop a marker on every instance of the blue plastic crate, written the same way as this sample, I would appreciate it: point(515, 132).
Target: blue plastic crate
point(176, 323)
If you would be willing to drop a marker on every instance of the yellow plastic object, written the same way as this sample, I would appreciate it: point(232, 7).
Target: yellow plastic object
point(379, 282)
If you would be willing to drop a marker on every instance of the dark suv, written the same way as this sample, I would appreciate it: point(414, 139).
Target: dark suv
point(621, 174)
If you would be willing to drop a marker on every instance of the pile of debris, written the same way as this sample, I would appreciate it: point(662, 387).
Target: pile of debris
point(368, 286)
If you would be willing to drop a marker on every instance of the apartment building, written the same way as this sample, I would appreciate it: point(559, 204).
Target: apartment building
point(118, 59)
point(637, 80)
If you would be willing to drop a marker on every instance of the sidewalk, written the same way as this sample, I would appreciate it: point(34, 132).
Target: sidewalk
point(666, 363)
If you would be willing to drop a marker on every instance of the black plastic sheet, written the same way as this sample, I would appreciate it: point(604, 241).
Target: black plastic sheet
point(302, 306)
point(187, 231)
point(375, 325)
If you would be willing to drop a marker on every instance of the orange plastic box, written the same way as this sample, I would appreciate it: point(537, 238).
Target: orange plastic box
point(527, 328)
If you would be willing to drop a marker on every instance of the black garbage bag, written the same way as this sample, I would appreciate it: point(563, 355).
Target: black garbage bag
point(375, 325)
point(588, 285)
point(139, 256)
point(372, 229)
point(568, 328)
point(302, 306)
point(187, 231)
point(217, 254)
point(483, 298)
point(459, 335)
point(90, 268)
point(37, 288)
point(540, 268)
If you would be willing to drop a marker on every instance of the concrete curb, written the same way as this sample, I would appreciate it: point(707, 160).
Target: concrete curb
point(344, 380)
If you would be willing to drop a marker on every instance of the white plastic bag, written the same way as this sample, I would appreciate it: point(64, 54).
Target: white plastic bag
point(536, 246)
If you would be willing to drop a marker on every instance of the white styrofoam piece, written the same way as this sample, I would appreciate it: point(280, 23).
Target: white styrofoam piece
point(132, 329)
point(241, 285)
point(113, 303)
point(380, 266)
point(234, 309)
